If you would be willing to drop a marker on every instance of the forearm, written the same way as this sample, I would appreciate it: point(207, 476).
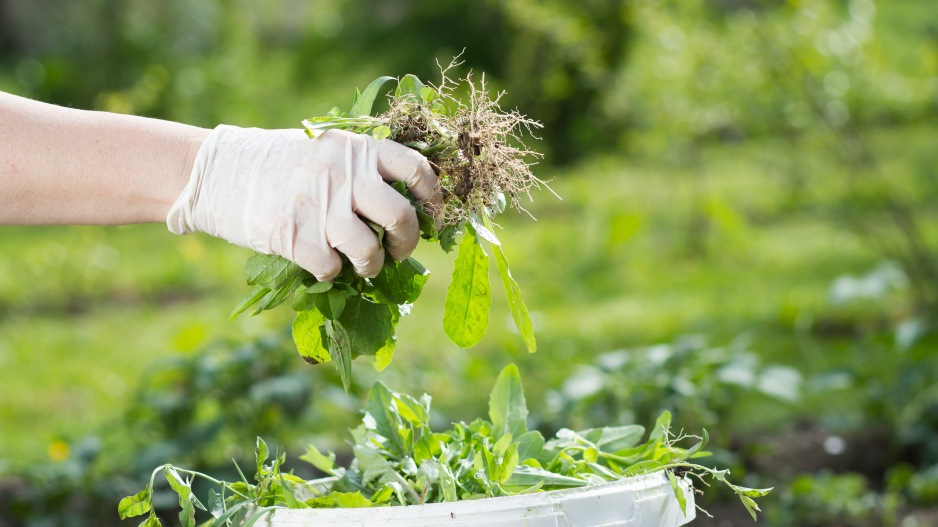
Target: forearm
point(65, 166)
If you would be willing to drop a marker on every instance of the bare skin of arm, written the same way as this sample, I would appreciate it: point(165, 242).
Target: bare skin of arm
point(61, 166)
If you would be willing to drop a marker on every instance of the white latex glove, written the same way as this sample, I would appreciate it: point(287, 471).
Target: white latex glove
point(280, 192)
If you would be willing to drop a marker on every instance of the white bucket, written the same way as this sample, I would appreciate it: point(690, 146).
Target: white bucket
point(643, 501)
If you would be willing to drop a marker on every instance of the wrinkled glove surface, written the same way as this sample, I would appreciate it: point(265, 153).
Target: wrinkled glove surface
point(280, 192)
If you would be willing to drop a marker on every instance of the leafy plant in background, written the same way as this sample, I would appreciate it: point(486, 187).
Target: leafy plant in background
point(184, 410)
point(700, 383)
point(477, 152)
point(399, 460)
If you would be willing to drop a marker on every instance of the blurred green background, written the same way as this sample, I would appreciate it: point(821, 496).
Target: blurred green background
point(748, 237)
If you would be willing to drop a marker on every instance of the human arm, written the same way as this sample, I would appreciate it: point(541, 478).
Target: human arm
point(274, 191)
point(66, 166)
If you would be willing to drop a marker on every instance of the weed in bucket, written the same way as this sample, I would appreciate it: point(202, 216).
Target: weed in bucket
point(400, 461)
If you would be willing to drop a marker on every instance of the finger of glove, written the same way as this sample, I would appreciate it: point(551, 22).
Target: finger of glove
point(312, 252)
point(396, 162)
point(359, 243)
point(385, 206)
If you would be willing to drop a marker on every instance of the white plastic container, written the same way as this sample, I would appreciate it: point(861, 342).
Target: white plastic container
point(643, 501)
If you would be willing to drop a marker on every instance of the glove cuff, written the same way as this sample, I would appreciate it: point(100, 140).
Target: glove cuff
point(180, 219)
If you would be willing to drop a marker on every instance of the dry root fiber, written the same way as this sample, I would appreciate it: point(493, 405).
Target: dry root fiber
point(476, 148)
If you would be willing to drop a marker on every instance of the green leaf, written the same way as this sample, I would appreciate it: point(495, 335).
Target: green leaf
point(381, 406)
point(448, 237)
point(383, 356)
point(331, 303)
point(427, 225)
point(233, 510)
point(270, 270)
point(380, 132)
point(364, 102)
point(340, 350)
point(508, 410)
point(678, 491)
point(307, 337)
point(447, 482)
point(135, 505)
point(261, 453)
point(152, 521)
point(411, 86)
point(304, 299)
point(401, 282)
point(530, 445)
point(614, 439)
point(340, 500)
point(466, 312)
point(256, 516)
point(216, 503)
point(369, 325)
point(509, 463)
point(750, 506)
point(318, 460)
point(289, 498)
point(662, 424)
point(320, 287)
point(526, 476)
point(249, 300)
point(519, 311)
point(428, 94)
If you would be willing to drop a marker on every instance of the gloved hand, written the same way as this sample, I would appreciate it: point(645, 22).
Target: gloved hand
point(280, 192)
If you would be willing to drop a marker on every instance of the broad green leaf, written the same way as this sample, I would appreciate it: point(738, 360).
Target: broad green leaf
point(508, 410)
point(614, 439)
point(340, 350)
point(469, 296)
point(216, 503)
point(369, 325)
point(526, 476)
point(374, 466)
point(330, 303)
point(270, 270)
point(410, 85)
point(428, 94)
point(427, 225)
point(381, 132)
point(249, 300)
point(519, 311)
point(261, 453)
point(447, 482)
point(320, 287)
point(364, 102)
point(278, 295)
point(383, 356)
point(304, 299)
point(187, 514)
point(152, 521)
point(308, 338)
point(484, 228)
point(340, 500)
point(319, 460)
point(662, 425)
point(678, 491)
point(752, 493)
point(233, 510)
point(401, 282)
point(750, 506)
point(381, 406)
point(135, 505)
point(448, 237)
point(530, 445)
point(509, 463)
